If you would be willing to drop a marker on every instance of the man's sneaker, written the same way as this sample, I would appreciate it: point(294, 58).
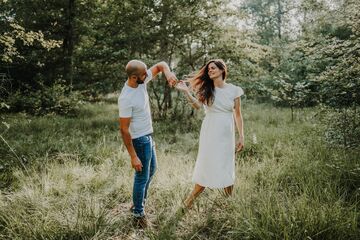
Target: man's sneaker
point(141, 222)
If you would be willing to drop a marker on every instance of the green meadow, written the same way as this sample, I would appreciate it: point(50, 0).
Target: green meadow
point(70, 178)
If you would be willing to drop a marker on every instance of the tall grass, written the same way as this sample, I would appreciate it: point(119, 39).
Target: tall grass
point(78, 183)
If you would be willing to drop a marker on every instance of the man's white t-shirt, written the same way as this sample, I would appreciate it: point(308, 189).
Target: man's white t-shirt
point(134, 103)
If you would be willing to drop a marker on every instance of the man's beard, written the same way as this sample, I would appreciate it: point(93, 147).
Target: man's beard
point(139, 81)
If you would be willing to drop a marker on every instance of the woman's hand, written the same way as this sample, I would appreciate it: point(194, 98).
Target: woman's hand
point(181, 85)
point(239, 145)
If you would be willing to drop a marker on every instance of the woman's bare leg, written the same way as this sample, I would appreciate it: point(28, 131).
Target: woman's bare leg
point(228, 190)
point(193, 195)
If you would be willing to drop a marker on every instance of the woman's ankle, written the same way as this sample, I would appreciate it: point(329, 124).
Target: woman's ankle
point(189, 201)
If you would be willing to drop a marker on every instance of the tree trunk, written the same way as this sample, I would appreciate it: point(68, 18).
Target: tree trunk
point(304, 24)
point(279, 18)
point(68, 44)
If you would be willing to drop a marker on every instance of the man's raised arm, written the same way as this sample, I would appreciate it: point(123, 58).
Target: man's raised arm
point(164, 68)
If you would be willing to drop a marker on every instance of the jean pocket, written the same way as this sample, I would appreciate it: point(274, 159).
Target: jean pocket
point(141, 141)
point(143, 149)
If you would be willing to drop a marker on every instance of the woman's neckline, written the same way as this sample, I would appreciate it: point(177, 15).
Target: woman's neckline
point(224, 86)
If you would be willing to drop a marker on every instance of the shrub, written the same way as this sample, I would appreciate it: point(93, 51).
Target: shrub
point(343, 127)
point(56, 99)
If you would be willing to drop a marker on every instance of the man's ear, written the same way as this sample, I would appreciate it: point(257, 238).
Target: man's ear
point(133, 77)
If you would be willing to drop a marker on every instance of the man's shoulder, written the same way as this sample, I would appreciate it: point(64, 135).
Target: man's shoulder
point(124, 96)
point(125, 91)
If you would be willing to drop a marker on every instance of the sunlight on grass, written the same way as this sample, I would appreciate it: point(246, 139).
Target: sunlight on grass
point(80, 182)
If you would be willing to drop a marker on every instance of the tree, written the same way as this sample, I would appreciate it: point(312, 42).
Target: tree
point(16, 34)
point(290, 94)
point(336, 55)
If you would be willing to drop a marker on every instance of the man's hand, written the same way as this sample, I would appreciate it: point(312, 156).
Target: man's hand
point(136, 164)
point(171, 78)
point(164, 68)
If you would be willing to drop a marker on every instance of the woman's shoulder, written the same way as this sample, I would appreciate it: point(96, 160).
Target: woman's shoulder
point(233, 86)
point(237, 90)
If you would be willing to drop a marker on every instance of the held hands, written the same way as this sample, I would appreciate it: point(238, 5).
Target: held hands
point(181, 85)
point(136, 164)
point(174, 82)
point(171, 78)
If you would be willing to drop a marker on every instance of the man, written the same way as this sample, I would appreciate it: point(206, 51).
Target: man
point(136, 128)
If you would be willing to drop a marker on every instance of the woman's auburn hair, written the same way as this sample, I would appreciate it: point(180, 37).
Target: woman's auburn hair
point(201, 83)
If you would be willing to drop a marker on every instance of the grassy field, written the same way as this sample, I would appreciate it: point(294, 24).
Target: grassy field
point(70, 178)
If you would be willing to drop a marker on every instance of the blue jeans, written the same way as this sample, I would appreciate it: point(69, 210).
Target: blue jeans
point(145, 150)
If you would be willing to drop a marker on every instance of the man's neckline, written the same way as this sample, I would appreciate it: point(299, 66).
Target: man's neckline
point(126, 84)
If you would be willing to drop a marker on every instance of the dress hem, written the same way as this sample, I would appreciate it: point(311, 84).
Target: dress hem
point(214, 187)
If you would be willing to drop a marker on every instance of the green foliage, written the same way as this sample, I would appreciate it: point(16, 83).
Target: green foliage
point(341, 81)
point(269, 18)
point(298, 53)
point(343, 127)
point(290, 94)
point(18, 33)
point(335, 58)
point(57, 99)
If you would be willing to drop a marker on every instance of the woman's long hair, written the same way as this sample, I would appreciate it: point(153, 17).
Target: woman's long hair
point(202, 84)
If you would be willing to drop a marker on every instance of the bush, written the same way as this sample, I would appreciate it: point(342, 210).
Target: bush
point(342, 127)
point(56, 99)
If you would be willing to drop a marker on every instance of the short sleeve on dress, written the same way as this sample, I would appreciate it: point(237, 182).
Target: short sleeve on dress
point(238, 92)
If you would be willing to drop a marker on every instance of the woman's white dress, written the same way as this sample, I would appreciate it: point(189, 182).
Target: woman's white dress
point(215, 163)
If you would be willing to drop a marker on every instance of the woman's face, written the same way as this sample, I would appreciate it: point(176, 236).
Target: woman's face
point(214, 71)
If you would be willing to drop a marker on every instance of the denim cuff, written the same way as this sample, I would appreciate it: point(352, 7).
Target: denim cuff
point(137, 215)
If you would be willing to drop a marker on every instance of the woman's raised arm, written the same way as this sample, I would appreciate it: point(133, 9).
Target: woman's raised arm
point(181, 85)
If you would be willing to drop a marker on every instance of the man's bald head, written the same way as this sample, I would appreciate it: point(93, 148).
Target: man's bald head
point(135, 67)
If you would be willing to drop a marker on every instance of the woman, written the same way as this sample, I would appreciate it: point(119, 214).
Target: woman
point(215, 164)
